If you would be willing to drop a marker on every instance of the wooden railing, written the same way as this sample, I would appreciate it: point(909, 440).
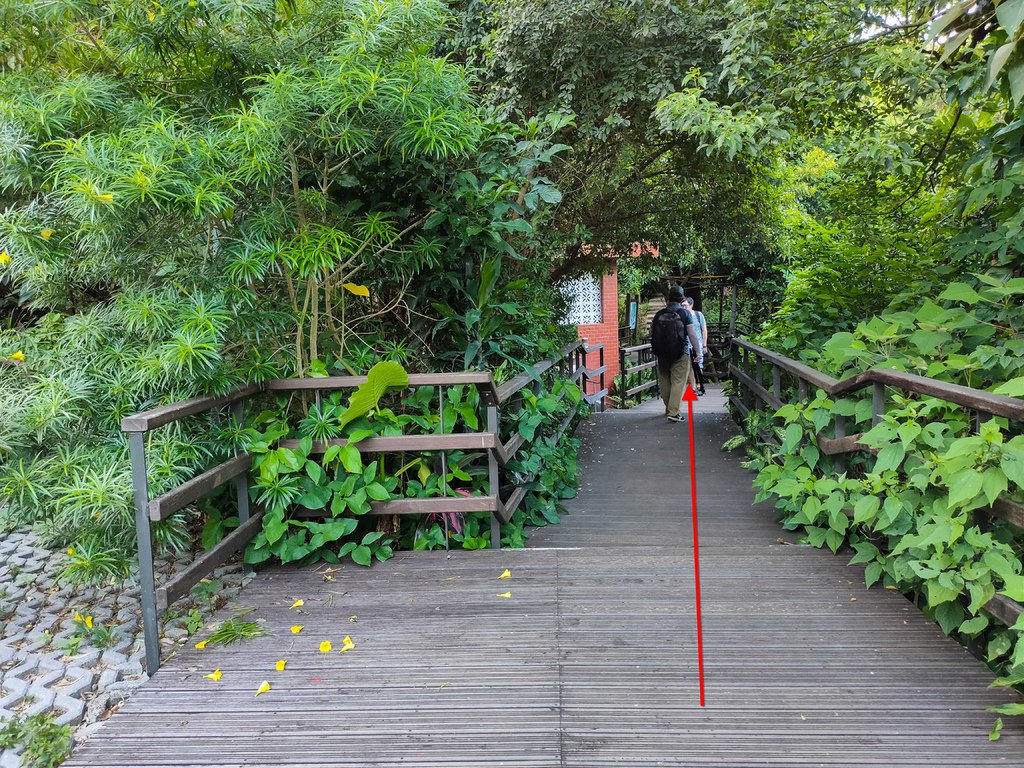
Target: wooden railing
point(155, 600)
point(765, 377)
point(638, 359)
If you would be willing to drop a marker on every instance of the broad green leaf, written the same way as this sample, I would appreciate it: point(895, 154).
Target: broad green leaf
point(384, 376)
point(351, 459)
point(362, 555)
point(1010, 14)
point(960, 292)
point(973, 626)
point(964, 486)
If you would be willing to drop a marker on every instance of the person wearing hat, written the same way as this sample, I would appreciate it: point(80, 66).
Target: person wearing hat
point(670, 329)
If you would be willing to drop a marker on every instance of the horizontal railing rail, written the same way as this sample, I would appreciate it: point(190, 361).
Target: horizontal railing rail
point(568, 363)
point(750, 363)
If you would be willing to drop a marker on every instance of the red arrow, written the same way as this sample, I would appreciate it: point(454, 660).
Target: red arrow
point(689, 396)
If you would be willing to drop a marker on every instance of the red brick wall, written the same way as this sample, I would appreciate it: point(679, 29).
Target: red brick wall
point(607, 332)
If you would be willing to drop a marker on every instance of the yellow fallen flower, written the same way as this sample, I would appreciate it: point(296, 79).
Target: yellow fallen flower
point(504, 594)
point(358, 290)
point(71, 552)
point(347, 645)
point(280, 665)
point(78, 617)
point(215, 675)
point(201, 644)
point(19, 356)
point(4, 258)
point(325, 646)
point(506, 574)
point(88, 621)
point(298, 603)
point(46, 234)
point(353, 619)
point(296, 629)
point(264, 687)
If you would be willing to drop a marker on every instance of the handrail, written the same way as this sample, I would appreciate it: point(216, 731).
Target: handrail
point(570, 361)
point(978, 400)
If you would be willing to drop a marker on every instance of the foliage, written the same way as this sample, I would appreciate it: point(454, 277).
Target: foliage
point(188, 202)
point(45, 743)
point(236, 629)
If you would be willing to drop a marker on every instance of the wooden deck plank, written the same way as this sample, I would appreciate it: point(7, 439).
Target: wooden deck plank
point(592, 662)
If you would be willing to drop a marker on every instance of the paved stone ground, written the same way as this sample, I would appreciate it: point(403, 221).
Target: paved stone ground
point(79, 687)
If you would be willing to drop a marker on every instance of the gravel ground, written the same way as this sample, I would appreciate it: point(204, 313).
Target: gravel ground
point(41, 670)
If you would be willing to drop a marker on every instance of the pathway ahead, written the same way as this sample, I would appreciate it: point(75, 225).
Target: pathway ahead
point(591, 661)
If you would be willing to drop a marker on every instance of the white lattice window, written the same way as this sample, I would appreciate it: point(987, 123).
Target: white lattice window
point(584, 296)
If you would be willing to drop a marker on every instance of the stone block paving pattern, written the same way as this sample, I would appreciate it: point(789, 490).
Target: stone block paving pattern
point(80, 687)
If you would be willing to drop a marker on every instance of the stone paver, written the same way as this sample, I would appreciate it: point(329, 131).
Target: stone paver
point(42, 670)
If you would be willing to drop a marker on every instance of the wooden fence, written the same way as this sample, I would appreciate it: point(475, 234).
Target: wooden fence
point(765, 378)
point(496, 400)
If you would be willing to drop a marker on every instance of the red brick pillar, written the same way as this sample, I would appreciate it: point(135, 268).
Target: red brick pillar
point(606, 332)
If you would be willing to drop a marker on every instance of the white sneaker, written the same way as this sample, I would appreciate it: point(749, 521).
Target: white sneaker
point(677, 418)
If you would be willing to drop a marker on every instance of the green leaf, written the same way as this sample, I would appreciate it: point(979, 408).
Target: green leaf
point(377, 492)
point(999, 59)
point(1008, 709)
point(351, 459)
point(890, 457)
point(1010, 14)
point(960, 292)
point(866, 508)
point(362, 555)
point(274, 526)
point(993, 484)
point(973, 626)
point(996, 731)
point(964, 486)
point(384, 376)
point(999, 645)
point(949, 615)
point(489, 272)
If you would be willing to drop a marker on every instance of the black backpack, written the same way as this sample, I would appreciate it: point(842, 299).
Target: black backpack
point(668, 336)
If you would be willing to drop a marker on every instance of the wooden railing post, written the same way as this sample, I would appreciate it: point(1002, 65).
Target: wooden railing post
point(776, 381)
point(493, 488)
point(840, 432)
point(622, 377)
point(600, 382)
point(877, 402)
point(147, 582)
point(242, 481)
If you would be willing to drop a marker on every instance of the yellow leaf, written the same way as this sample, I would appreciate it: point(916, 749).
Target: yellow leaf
point(19, 356)
point(506, 574)
point(215, 675)
point(325, 646)
point(298, 603)
point(504, 594)
point(201, 644)
point(280, 665)
point(296, 629)
point(347, 644)
point(4, 258)
point(264, 687)
point(423, 473)
point(358, 290)
point(152, 15)
point(106, 198)
point(88, 621)
point(46, 233)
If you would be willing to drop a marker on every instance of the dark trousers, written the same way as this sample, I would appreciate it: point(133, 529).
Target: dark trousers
point(698, 372)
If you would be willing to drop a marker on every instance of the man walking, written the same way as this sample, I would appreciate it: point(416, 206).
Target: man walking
point(670, 329)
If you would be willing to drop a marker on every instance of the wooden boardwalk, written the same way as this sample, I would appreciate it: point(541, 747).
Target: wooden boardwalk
point(592, 660)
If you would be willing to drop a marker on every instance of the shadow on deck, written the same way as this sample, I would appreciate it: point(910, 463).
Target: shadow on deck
point(591, 661)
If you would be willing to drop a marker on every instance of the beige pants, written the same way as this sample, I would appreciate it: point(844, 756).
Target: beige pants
point(672, 383)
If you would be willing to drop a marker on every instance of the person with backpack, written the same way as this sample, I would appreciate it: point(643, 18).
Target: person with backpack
point(670, 330)
point(697, 369)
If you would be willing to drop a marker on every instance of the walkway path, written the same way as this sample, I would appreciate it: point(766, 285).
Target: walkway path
point(591, 661)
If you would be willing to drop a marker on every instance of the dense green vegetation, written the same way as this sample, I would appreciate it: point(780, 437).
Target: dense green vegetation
point(198, 193)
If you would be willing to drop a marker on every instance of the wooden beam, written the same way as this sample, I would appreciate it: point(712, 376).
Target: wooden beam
point(204, 565)
point(469, 441)
point(167, 504)
point(165, 414)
